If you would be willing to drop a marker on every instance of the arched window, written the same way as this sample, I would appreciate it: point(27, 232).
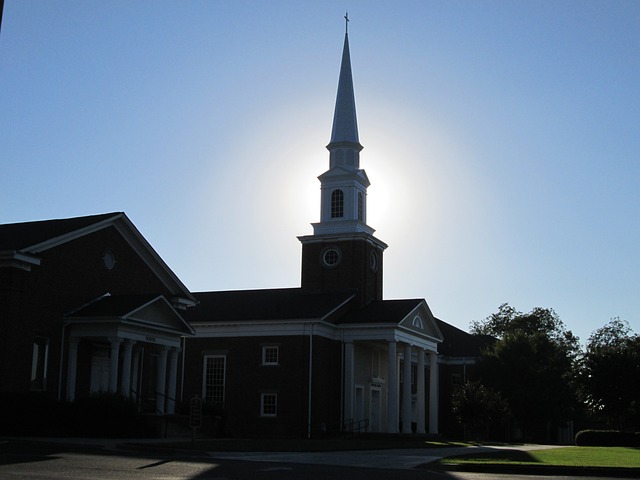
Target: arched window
point(360, 207)
point(337, 204)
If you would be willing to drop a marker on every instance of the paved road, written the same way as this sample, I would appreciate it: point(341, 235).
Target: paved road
point(401, 459)
point(20, 460)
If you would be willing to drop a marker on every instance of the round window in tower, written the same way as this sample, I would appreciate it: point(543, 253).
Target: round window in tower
point(373, 261)
point(331, 257)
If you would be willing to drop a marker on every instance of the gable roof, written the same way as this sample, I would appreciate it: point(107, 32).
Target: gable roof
point(382, 311)
point(24, 235)
point(458, 343)
point(268, 304)
point(113, 305)
point(20, 244)
point(146, 311)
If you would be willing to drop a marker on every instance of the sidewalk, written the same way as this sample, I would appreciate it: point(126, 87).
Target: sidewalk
point(397, 459)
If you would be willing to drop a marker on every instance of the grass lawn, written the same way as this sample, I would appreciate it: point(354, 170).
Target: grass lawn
point(625, 457)
point(314, 445)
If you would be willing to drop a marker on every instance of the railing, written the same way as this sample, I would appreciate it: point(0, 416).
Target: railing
point(151, 404)
point(351, 426)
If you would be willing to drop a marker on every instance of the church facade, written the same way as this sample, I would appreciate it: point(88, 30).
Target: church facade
point(332, 355)
point(88, 306)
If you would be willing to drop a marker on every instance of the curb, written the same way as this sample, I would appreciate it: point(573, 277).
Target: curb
point(551, 470)
point(158, 448)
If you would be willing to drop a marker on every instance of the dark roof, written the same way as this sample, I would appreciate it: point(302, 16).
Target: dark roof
point(113, 305)
point(268, 304)
point(382, 311)
point(18, 236)
point(458, 343)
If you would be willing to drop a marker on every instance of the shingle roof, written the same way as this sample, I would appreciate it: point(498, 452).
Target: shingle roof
point(382, 311)
point(268, 304)
point(458, 343)
point(19, 236)
point(113, 306)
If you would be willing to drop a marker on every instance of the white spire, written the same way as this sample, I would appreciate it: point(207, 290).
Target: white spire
point(344, 186)
point(345, 123)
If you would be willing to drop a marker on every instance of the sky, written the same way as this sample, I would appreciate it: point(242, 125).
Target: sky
point(501, 139)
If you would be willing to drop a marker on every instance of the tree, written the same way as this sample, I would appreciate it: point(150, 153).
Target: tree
point(611, 374)
point(478, 408)
point(507, 320)
point(532, 366)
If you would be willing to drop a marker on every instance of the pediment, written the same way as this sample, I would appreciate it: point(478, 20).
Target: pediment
point(160, 314)
point(422, 321)
point(144, 312)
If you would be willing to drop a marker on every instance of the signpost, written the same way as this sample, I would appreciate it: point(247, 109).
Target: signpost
point(195, 416)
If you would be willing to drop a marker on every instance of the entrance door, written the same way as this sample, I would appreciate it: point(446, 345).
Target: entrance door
point(376, 407)
point(100, 367)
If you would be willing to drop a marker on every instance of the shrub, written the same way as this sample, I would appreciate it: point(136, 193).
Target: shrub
point(105, 415)
point(607, 438)
point(30, 414)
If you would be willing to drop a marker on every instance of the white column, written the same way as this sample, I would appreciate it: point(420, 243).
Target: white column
point(349, 385)
point(392, 389)
point(433, 392)
point(113, 363)
point(420, 405)
point(161, 381)
point(406, 390)
point(173, 376)
point(72, 368)
point(125, 380)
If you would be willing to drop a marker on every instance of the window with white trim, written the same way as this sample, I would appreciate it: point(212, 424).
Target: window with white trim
point(270, 355)
point(337, 204)
point(214, 379)
point(39, 364)
point(268, 404)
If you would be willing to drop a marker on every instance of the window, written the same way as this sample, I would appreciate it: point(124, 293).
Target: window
point(269, 355)
point(412, 379)
point(414, 373)
point(375, 364)
point(417, 322)
point(268, 404)
point(360, 207)
point(214, 379)
point(39, 361)
point(337, 204)
point(331, 257)
point(456, 379)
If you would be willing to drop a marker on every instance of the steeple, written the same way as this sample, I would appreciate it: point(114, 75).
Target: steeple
point(344, 185)
point(345, 123)
point(342, 254)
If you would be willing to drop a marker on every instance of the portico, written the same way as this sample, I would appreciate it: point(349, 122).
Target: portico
point(132, 344)
point(385, 368)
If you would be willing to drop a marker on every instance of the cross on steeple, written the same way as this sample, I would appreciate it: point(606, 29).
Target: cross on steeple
point(346, 23)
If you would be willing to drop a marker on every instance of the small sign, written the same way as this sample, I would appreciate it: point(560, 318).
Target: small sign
point(195, 412)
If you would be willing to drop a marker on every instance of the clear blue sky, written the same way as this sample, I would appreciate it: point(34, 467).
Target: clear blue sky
point(502, 139)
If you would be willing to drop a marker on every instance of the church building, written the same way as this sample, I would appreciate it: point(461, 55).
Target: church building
point(331, 355)
point(87, 306)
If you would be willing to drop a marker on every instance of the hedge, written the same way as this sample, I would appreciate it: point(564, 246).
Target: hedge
point(607, 438)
